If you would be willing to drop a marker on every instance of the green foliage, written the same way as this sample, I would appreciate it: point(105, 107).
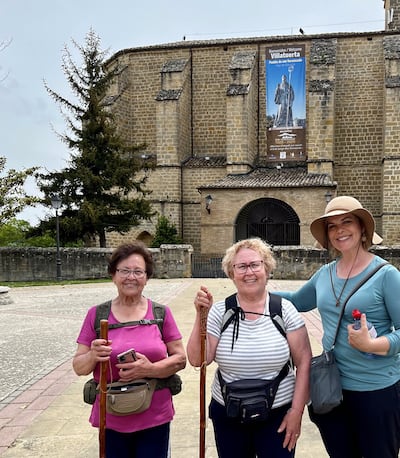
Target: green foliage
point(13, 198)
point(13, 233)
point(166, 232)
point(46, 240)
point(102, 189)
point(45, 235)
point(17, 233)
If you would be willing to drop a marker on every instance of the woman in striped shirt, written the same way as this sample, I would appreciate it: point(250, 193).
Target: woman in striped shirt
point(251, 347)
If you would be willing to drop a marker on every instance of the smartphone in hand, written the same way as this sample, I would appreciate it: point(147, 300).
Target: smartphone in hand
point(128, 356)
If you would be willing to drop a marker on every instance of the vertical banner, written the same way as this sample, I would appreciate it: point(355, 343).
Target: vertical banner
point(285, 70)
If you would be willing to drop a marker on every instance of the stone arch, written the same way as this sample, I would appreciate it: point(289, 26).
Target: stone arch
point(145, 237)
point(270, 219)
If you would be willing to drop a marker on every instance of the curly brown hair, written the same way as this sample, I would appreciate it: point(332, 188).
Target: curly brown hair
point(127, 249)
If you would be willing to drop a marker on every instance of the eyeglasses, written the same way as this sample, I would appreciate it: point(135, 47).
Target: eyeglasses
point(137, 273)
point(254, 266)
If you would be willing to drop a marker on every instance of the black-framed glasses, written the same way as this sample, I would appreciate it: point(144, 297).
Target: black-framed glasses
point(137, 273)
point(254, 266)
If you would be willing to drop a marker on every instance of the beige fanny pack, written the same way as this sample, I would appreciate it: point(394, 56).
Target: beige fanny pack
point(125, 398)
point(128, 398)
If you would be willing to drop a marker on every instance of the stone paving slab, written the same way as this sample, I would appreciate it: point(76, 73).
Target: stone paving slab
point(42, 413)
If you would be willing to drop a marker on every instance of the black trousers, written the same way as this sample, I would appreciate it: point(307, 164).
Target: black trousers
point(147, 443)
point(236, 440)
point(365, 425)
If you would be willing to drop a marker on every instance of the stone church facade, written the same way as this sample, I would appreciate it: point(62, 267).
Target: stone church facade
point(200, 109)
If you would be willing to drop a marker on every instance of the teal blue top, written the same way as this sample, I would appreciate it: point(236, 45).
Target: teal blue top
point(379, 299)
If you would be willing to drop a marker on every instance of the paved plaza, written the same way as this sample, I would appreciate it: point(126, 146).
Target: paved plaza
point(42, 413)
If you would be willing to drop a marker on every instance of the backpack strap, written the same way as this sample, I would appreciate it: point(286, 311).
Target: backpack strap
point(275, 311)
point(159, 315)
point(234, 313)
point(103, 311)
point(231, 307)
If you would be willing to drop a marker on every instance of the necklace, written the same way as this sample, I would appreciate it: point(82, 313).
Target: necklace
point(338, 298)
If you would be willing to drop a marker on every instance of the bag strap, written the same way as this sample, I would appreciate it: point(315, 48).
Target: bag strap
point(274, 382)
point(234, 313)
point(358, 286)
point(275, 311)
point(103, 311)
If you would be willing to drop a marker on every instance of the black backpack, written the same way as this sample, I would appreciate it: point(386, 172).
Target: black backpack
point(103, 310)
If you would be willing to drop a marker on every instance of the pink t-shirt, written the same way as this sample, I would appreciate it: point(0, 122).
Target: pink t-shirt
point(145, 339)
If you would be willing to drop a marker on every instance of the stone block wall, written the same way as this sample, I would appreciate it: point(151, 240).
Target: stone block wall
point(210, 79)
point(140, 83)
point(391, 156)
point(241, 109)
point(321, 105)
point(359, 120)
point(39, 264)
point(194, 204)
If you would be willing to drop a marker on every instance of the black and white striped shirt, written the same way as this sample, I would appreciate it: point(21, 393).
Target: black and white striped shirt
point(259, 352)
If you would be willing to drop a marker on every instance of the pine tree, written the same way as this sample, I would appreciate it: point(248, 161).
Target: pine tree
point(102, 188)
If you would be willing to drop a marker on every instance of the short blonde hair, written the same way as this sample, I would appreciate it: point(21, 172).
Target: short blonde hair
point(256, 244)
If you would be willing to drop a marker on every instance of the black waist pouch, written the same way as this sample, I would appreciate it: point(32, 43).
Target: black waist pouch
point(247, 400)
point(251, 400)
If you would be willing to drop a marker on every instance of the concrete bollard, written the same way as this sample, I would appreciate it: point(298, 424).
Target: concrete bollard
point(5, 297)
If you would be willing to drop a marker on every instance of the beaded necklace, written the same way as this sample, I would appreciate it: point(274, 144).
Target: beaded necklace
point(338, 298)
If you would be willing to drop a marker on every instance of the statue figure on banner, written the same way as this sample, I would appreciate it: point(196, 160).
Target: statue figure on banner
point(284, 96)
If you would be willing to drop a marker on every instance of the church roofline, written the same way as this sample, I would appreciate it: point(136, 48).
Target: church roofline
point(273, 178)
point(247, 40)
point(204, 161)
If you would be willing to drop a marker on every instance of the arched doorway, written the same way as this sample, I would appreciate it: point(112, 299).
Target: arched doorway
point(145, 237)
point(270, 219)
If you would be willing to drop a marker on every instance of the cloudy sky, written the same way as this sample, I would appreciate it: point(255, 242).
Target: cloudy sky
point(36, 32)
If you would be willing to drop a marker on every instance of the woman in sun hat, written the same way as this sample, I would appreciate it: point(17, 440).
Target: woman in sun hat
point(339, 206)
point(367, 423)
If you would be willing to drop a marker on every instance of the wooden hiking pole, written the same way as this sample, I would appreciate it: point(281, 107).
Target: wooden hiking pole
point(203, 372)
point(103, 393)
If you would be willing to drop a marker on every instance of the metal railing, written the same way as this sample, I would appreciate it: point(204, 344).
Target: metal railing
point(275, 233)
point(207, 266)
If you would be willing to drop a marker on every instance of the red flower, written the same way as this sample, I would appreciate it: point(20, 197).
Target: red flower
point(356, 314)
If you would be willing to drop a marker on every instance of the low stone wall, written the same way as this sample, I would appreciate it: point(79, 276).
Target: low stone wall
point(299, 263)
point(40, 264)
point(171, 261)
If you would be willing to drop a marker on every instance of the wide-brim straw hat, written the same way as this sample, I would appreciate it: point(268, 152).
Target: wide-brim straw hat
point(340, 206)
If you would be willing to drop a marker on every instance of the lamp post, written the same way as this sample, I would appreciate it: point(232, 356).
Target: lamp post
point(56, 204)
point(328, 196)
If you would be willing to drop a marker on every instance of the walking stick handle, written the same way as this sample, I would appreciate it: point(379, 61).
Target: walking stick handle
point(103, 393)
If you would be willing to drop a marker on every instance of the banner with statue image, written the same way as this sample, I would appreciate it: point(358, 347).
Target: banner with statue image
point(285, 70)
